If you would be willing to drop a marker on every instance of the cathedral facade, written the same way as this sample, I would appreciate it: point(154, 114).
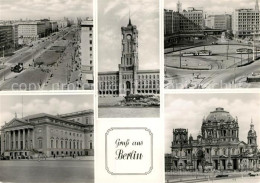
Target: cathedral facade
point(129, 79)
point(217, 146)
point(49, 135)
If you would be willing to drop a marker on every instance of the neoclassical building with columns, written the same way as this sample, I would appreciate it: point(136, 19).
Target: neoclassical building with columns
point(217, 146)
point(129, 79)
point(50, 135)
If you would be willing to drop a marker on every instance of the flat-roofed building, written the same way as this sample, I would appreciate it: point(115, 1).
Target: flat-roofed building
point(6, 36)
point(28, 31)
point(245, 22)
point(222, 22)
point(54, 26)
point(86, 46)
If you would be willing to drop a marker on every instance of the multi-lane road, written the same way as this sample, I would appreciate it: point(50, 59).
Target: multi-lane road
point(27, 56)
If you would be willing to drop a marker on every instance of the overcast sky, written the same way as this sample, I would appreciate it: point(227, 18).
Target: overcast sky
point(212, 6)
point(33, 104)
point(187, 111)
point(36, 9)
point(112, 15)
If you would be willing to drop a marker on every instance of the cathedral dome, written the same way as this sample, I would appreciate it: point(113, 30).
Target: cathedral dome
point(219, 115)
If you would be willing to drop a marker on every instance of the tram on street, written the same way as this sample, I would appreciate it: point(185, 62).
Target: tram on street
point(244, 51)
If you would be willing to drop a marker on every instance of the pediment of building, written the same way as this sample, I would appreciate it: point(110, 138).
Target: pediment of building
point(14, 123)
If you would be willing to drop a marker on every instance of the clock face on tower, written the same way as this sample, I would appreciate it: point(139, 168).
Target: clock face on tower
point(128, 36)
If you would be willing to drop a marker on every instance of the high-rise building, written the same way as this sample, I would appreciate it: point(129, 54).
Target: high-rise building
point(222, 22)
point(190, 20)
point(54, 26)
point(6, 36)
point(194, 15)
point(86, 46)
point(185, 22)
point(28, 31)
point(15, 35)
point(245, 22)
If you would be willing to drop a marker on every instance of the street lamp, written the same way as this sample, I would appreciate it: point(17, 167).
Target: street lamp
point(227, 49)
point(3, 51)
point(234, 71)
point(180, 57)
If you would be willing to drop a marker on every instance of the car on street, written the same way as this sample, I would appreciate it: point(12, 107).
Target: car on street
point(17, 68)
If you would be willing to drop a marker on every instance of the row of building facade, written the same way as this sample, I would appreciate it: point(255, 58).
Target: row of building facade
point(49, 135)
point(217, 146)
point(86, 49)
point(17, 33)
point(243, 22)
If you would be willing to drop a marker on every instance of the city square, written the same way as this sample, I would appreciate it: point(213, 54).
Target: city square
point(204, 49)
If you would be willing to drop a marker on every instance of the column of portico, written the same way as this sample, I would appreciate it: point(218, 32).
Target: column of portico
point(32, 139)
point(5, 140)
point(14, 144)
point(23, 139)
point(19, 139)
point(9, 146)
point(28, 139)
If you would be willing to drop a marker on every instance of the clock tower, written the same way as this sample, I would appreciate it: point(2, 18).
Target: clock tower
point(129, 60)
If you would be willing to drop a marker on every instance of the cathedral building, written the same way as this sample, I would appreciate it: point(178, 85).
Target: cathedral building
point(49, 135)
point(129, 79)
point(217, 146)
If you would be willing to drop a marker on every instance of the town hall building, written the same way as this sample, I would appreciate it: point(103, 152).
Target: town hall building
point(129, 79)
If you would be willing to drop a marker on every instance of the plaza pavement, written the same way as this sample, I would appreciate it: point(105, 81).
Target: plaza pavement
point(66, 171)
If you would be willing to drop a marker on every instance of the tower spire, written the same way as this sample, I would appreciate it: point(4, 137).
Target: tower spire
point(179, 7)
point(252, 125)
point(130, 23)
point(256, 6)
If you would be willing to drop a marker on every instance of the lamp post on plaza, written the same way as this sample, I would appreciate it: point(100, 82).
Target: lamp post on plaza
point(3, 51)
point(241, 58)
point(234, 71)
point(227, 49)
point(180, 57)
point(248, 56)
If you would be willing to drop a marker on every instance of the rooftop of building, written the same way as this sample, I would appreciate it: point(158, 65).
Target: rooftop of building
point(76, 113)
point(219, 115)
point(87, 22)
point(109, 73)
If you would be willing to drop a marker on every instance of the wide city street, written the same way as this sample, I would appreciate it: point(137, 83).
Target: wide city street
point(58, 171)
point(49, 63)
